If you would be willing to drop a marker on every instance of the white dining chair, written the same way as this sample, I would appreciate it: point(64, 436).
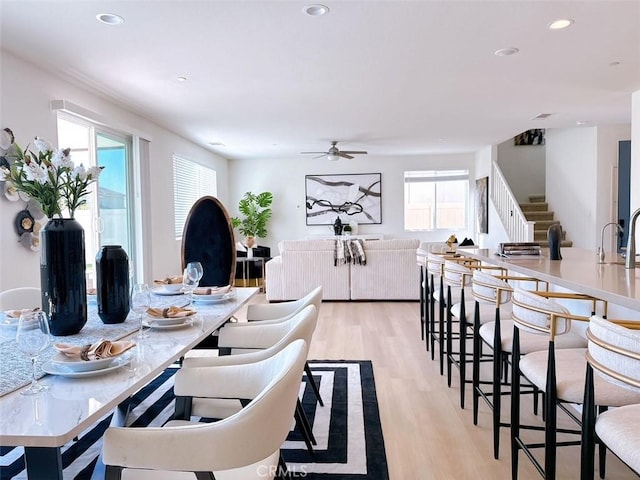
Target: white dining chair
point(18, 298)
point(282, 310)
point(245, 445)
point(300, 326)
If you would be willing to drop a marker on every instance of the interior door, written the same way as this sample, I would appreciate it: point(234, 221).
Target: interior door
point(624, 190)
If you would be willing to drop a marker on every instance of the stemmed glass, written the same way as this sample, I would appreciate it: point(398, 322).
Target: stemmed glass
point(32, 338)
point(140, 302)
point(191, 278)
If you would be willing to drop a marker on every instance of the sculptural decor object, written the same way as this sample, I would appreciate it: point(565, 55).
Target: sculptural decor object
point(554, 236)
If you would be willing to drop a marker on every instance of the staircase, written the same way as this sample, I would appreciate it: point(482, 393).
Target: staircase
point(537, 210)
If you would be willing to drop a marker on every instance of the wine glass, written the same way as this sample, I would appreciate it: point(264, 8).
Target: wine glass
point(191, 278)
point(140, 302)
point(32, 338)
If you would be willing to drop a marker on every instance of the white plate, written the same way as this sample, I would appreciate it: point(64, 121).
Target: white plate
point(63, 370)
point(215, 298)
point(165, 321)
point(162, 291)
point(187, 323)
point(78, 365)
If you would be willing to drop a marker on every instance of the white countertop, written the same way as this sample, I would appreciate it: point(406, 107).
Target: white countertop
point(70, 405)
point(578, 271)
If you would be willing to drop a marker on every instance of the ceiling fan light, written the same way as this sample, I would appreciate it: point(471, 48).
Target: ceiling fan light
point(332, 157)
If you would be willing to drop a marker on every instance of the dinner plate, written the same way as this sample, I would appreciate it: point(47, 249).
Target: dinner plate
point(63, 370)
point(165, 321)
point(187, 323)
point(214, 298)
point(78, 365)
point(162, 291)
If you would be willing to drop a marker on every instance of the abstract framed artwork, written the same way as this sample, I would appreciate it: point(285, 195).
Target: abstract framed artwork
point(482, 204)
point(353, 197)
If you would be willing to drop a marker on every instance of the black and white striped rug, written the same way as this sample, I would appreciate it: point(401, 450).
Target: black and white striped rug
point(347, 429)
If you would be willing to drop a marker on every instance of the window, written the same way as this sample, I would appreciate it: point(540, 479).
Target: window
point(190, 182)
point(436, 199)
point(107, 217)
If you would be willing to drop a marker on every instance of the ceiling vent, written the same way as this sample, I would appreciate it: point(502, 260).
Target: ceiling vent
point(540, 116)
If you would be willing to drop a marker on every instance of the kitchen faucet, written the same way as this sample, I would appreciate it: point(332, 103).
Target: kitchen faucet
point(630, 261)
point(600, 251)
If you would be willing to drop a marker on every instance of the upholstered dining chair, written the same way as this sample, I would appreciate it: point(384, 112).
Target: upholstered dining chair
point(282, 310)
point(300, 325)
point(244, 445)
point(614, 353)
point(208, 238)
point(18, 298)
point(558, 373)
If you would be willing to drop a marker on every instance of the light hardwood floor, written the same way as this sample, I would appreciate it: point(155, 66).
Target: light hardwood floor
point(427, 436)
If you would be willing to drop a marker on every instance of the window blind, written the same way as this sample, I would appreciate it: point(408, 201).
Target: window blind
point(191, 181)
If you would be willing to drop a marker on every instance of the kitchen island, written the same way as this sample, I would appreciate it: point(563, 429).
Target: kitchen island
point(578, 271)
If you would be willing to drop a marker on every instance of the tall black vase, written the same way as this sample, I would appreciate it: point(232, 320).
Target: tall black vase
point(112, 282)
point(62, 275)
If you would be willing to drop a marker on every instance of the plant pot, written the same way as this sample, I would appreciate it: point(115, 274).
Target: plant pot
point(62, 275)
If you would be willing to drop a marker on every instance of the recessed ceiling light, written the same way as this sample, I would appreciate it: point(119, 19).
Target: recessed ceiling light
point(110, 18)
point(560, 24)
point(181, 78)
point(316, 10)
point(505, 52)
point(217, 144)
point(581, 123)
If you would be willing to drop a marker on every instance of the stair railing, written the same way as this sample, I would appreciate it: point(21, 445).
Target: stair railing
point(518, 228)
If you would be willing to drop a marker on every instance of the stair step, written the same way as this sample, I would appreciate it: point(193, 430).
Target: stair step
point(537, 198)
point(538, 216)
point(545, 224)
point(541, 235)
point(534, 207)
point(563, 243)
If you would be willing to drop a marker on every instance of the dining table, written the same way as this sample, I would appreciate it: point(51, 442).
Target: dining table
point(73, 401)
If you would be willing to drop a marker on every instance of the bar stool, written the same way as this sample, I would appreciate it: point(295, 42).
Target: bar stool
point(614, 353)
point(559, 374)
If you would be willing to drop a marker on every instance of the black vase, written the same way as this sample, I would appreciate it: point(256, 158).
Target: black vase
point(554, 236)
point(62, 275)
point(112, 284)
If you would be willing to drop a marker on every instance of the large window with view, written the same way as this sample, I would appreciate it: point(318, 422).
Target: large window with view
point(191, 181)
point(436, 199)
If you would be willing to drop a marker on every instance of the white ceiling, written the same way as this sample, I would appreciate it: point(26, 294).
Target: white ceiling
point(390, 77)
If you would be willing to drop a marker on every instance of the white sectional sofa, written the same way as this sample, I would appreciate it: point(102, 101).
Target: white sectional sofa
point(390, 273)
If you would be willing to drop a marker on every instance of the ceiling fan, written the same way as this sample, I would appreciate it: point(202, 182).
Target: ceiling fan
point(334, 153)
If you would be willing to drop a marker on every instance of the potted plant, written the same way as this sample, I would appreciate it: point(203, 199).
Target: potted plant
point(257, 212)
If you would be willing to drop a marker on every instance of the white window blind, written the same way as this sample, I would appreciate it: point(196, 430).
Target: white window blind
point(191, 181)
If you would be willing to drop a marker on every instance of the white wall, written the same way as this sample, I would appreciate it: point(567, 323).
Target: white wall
point(635, 160)
point(497, 233)
point(285, 178)
point(26, 92)
point(523, 167)
point(579, 183)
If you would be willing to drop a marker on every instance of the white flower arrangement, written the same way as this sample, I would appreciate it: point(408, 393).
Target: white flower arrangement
point(50, 177)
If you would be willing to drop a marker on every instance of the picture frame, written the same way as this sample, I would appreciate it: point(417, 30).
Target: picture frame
point(534, 136)
point(482, 205)
point(352, 197)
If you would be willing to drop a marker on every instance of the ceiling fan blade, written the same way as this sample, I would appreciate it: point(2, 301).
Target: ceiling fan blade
point(305, 153)
point(354, 152)
point(345, 155)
